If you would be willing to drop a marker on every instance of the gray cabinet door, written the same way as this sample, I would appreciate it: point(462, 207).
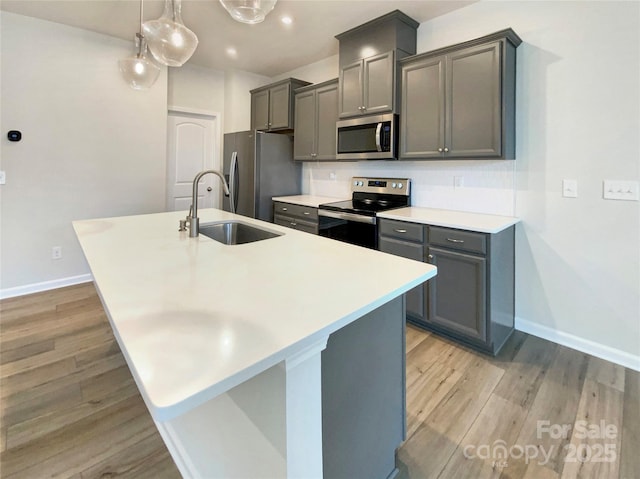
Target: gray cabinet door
point(351, 90)
point(260, 110)
point(378, 84)
point(305, 126)
point(326, 116)
point(279, 107)
point(457, 295)
point(474, 102)
point(416, 299)
point(422, 117)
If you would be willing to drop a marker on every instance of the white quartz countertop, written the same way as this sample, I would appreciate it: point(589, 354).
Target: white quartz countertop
point(462, 220)
point(195, 317)
point(307, 200)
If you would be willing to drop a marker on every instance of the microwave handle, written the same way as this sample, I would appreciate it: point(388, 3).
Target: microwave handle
point(378, 129)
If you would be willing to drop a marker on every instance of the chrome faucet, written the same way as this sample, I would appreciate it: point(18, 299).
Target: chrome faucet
point(192, 218)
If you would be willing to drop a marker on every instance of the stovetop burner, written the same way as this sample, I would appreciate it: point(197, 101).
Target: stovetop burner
point(371, 195)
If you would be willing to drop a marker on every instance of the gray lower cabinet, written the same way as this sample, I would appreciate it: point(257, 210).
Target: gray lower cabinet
point(367, 86)
point(458, 102)
point(272, 105)
point(298, 217)
point(406, 240)
point(472, 297)
point(316, 113)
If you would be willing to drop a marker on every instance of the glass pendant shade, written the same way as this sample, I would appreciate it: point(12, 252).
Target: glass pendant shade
point(137, 70)
point(248, 11)
point(170, 42)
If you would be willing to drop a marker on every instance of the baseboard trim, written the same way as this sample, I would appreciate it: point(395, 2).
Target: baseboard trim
point(44, 286)
point(601, 351)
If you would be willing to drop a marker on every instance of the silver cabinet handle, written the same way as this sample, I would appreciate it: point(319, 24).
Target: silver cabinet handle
point(455, 240)
point(284, 209)
point(430, 257)
point(294, 224)
point(400, 231)
point(209, 188)
point(306, 213)
point(446, 150)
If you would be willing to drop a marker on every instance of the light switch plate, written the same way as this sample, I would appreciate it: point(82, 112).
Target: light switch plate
point(3, 177)
point(621, 190)
point(570, 188)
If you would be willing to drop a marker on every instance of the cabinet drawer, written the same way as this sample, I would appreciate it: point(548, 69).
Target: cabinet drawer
point(402, 230)
point(458, 240)
point(308, 213)
point(296, 224)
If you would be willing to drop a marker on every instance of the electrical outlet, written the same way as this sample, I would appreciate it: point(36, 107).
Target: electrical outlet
point(3, 177)
point(56, 252)
point(570, 188)
point(620, 190)
point(332, 175)
point(458, 181)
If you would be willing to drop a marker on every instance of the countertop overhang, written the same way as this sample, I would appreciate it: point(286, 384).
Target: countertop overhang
point(194, 317)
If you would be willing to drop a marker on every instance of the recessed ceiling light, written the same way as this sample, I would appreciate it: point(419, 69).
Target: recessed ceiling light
point(287, 20)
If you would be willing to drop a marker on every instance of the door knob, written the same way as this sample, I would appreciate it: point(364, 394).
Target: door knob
point(209, 188)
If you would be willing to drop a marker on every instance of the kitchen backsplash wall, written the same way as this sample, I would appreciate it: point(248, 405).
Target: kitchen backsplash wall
point(484, 186)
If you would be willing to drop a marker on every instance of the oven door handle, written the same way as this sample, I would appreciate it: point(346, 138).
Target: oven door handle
point(347, 216)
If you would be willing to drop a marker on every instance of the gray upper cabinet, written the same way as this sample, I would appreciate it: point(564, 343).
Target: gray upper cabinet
point(459, 102)
point(367, 86)
point(260, 110)
point(368, 64)
point(272, 105)
point(423, 104)
point(316, 113)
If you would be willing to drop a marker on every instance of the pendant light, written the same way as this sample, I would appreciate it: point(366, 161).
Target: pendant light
point(137, 70)
point(170, 42)
point(248, 11)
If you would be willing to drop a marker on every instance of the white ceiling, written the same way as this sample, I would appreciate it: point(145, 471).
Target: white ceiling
point(269, 48)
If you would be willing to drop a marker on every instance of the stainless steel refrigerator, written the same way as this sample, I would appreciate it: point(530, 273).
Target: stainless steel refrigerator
point(257, 167)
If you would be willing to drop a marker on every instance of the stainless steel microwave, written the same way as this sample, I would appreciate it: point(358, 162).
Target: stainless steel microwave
point(368, 138)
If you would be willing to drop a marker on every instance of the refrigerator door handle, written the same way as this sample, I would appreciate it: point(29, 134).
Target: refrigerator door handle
point(232, 181)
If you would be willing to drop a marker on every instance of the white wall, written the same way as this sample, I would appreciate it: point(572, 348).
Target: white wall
point(323, 70)
point(238, 99)
point(91, 147)
point(577, 260)
point(198, 88)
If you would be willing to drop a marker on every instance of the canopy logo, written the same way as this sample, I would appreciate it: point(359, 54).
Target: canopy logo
point(591, 442)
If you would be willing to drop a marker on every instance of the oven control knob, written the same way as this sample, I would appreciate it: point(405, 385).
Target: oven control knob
point(393, 185)
point(360, 183)
point(355, 183)
point(399, 185)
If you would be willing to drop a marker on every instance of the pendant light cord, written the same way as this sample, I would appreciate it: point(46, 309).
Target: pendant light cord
point(141, 2)
point(139, 35)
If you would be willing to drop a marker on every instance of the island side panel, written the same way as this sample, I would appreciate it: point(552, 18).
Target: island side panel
point(213, 440)
point(363, 395)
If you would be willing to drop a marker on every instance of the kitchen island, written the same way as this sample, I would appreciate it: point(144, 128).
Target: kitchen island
point(253, 358)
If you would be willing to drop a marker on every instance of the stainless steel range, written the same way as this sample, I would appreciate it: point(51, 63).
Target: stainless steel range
point(355, 221)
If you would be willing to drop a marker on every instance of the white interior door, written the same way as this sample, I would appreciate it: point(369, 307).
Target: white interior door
point(192, 146)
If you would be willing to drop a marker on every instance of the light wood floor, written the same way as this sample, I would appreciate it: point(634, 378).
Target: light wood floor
point(69, 407)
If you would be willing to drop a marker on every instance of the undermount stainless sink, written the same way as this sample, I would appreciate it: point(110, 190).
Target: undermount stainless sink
point(235, 232)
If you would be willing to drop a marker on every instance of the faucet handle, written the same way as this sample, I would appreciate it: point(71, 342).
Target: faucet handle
point(183, 225)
